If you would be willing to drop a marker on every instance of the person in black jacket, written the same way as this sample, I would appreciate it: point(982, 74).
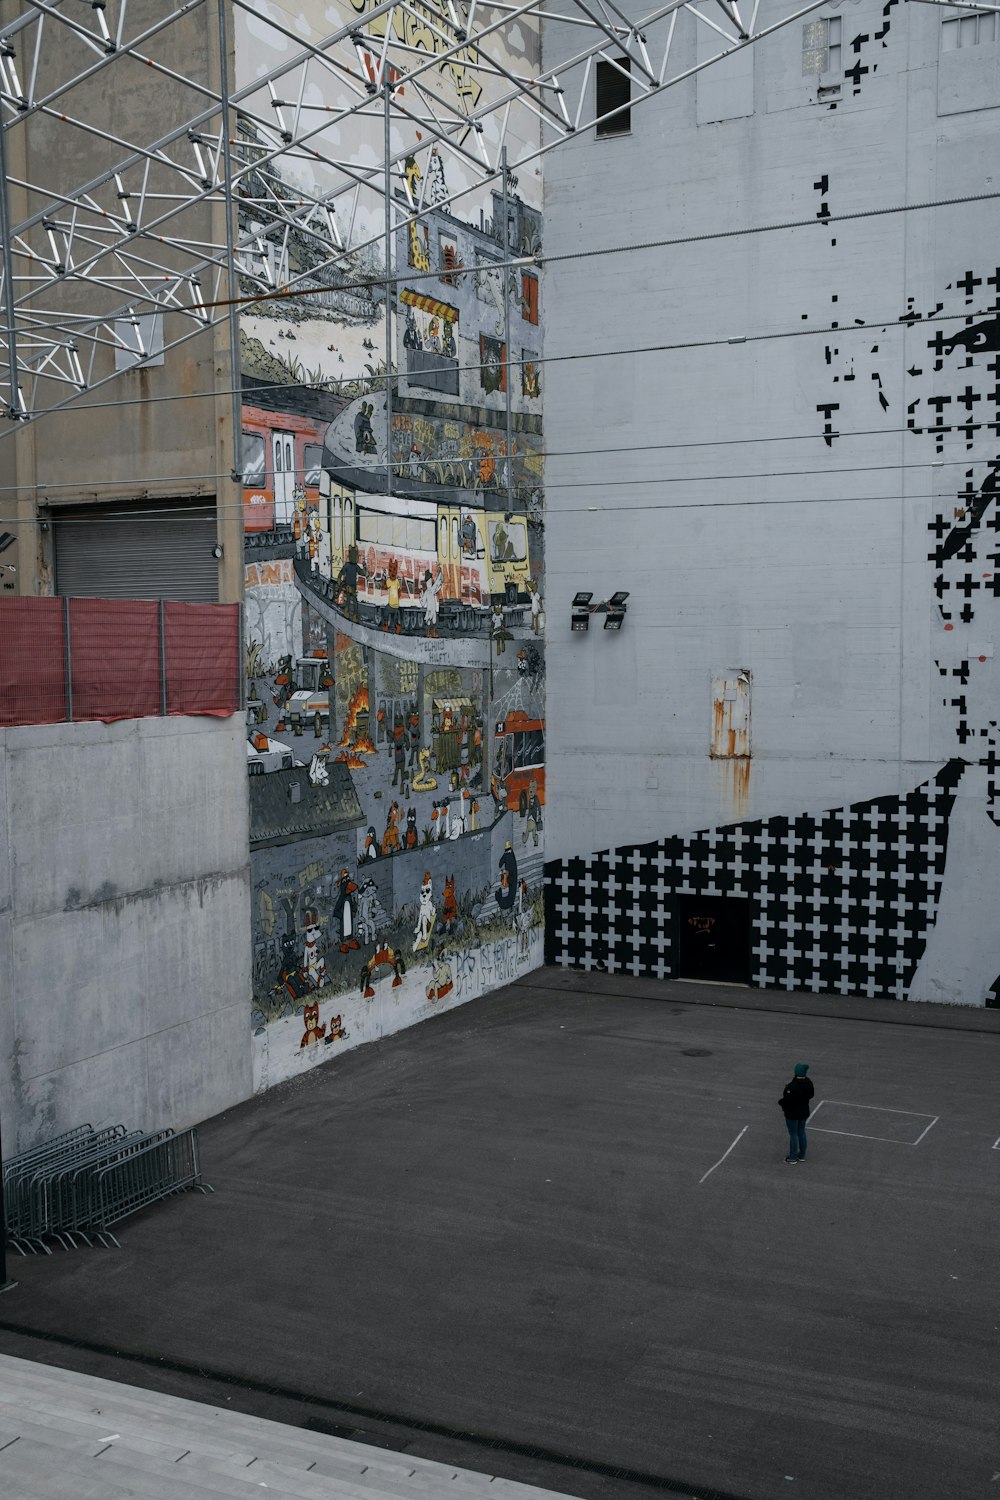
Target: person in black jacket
point(795, 1108)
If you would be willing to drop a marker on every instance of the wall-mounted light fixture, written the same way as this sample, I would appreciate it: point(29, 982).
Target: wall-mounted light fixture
point(581, 610)
point(616, 607)
point(613, 610)
point(217, 550)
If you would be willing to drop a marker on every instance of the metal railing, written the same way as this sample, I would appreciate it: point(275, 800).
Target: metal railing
point(76, 1186)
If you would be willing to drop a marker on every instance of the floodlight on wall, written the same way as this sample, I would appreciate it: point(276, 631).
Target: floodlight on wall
point(616, 607)
point(581, 610)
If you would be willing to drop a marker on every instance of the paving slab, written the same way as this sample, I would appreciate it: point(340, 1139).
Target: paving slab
point(554, 1228)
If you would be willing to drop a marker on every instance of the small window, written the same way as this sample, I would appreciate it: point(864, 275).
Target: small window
point(973, 30)
point(313, 461)
point(821, 46)
point(252, 458)
point(533, 753)
point(614, 95)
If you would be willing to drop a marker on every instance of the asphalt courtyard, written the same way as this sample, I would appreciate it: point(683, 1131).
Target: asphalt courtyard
point(551, 1234)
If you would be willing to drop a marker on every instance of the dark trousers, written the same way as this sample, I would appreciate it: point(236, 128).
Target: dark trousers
point(796, 1138)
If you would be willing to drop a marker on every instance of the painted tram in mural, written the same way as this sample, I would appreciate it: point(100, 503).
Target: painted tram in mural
point(479, 555)
point(282, 456)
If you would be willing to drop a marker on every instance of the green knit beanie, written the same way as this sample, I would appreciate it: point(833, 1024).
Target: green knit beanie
point(801, 1069)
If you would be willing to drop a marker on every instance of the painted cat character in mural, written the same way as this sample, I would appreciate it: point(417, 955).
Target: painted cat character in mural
point(313, 962)
point(413, 734)
point(390, 839)
point(498, 628)
point(343, 912)
point(337, 1031)
point(347, 584)
point(426, 914)
point(372, 915)
point(449, 906)
point(314, 1032)
point(411, 837)
point(398, 754)
point(292, 980)
point(411, 334)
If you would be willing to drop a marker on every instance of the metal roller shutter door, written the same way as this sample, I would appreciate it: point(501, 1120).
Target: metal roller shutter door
point(137, 552)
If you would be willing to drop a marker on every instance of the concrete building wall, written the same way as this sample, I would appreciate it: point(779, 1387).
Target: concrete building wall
point(780, 444)
point(124, 924)
point(164, 429)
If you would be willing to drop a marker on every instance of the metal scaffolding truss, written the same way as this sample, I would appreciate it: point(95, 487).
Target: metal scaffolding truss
point(155, 236)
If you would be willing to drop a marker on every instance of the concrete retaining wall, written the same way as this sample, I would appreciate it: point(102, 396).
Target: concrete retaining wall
point(124, 924)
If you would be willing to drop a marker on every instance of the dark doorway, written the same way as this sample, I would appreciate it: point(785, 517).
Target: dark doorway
point(714, 939)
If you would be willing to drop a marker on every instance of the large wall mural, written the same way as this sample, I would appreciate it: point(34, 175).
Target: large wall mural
point(394, 624)
point(859, 900)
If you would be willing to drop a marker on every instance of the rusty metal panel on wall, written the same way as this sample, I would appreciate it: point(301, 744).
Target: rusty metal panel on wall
point(731, 714)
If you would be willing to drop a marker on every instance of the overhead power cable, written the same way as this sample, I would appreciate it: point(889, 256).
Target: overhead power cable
point(835, 330)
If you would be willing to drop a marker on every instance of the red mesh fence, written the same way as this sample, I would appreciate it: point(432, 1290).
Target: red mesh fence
point(32, 661)
point(128, 659)
point(115, 658)
point(202, 644)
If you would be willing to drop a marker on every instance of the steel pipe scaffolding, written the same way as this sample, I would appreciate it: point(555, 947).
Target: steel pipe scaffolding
point(172, 228)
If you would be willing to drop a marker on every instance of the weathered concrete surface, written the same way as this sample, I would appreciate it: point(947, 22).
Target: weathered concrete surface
point(124, 923)
point(497, 1223)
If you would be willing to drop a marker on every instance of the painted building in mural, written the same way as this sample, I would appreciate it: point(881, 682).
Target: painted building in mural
point(394, 605)
point(783, 444)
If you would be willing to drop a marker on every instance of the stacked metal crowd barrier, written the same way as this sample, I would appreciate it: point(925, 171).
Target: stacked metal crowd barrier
point(75, 1187)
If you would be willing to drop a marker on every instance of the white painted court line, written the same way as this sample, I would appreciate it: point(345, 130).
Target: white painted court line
point(724, 1154)
point(996, 1144)
point(882, 1109)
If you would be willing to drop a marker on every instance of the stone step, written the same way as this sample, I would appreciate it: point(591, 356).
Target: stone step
point(312, 1485)
point(36, 1458)
point(232, 1479)
point(213, 1430)
point(77, 1433)
point(37, 1471)
point(215, 1438)
point(193, 1448)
